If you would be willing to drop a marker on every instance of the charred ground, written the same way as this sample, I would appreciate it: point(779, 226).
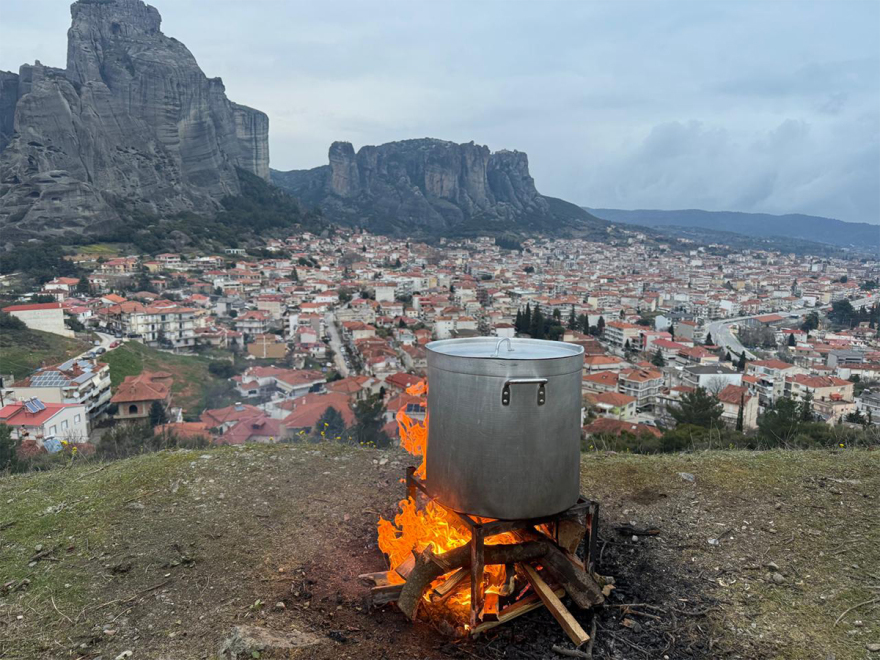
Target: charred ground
point(164, 554)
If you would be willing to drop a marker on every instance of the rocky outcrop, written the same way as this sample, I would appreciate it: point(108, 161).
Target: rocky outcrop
point(431, 186)
point(132, 122)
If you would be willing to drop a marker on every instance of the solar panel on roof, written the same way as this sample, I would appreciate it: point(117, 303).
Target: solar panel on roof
point(34, 406)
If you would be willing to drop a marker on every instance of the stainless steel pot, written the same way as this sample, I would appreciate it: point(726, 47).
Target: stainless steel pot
point(504, 425)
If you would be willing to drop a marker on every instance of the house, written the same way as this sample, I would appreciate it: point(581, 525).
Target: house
point(642, 384)
point(710, 377)
point(75, 381)
point(621, 334)
point(308, 409)
point(612, 404)
point(253, 322)
point(44, 423)
point(223, 419)
point(732, 398)
point(832, 397)
point(594, 363)
point(136, 395)
point(616, 427)
point(47, 317)
point(770, 378)
point(257, 429)
point(601, 381)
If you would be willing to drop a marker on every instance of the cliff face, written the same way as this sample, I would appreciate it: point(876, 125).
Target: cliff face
point(132, 122)
point(430, 186)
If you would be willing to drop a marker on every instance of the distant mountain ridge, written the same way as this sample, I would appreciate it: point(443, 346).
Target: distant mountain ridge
point(859, 236)
point(431, 186)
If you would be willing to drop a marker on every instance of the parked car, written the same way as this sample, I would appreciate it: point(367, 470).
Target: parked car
point(115, 344)
point(101, 351)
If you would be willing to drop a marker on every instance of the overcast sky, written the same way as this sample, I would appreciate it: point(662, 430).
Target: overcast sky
point(769, 106)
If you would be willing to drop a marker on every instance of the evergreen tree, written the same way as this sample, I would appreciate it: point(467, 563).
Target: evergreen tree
point(672, 331)
point(782, 422)
point(806, 407)
point(536, 329)
point(600, 326)
point(557, 316)
point(740, 415)
point(728, 358)
point(158, 416)
point(791, 341)
point(741, 363)
point(8, 446)
point(708, 341)
point(658, 360)
point(330, 425)
point(368, 422)
point(572, 320)
point(584, 321)
point(527, 319)
point(517, 324)
point(698, 408)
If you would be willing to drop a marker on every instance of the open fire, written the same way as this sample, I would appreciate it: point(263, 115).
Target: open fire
point(473, 573)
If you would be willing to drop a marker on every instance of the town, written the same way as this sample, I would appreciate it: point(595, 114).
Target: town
point(318, 338)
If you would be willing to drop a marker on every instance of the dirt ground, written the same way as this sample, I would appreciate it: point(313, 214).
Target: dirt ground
point(758, 555)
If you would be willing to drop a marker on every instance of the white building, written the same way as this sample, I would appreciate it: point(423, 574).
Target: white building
point(84, 382)
point(48, 317)
point(35, 420)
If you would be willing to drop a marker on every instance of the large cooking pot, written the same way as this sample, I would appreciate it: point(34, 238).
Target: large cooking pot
point(504, 425)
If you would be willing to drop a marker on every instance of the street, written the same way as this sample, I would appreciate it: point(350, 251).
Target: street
point(336, 344)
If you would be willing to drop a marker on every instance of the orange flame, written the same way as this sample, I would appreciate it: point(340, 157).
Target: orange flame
point(433, 527)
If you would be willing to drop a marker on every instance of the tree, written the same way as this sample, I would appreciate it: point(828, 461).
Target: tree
point(330, 424)
point(536, 328)
point(741, 363)
point(158, 416)
point(699, 408)
point(600, 325)
point(529, 269)
point(781, 423)
point(368, 422)
point(740, 414)
point(841, 312)
point(572, 320)
point(811, 322)
point(806, 407)
point(584, 321)
point(517, 324)
point(792, 342)
point(657, 359)
point(856, 417)
point(728, 357)
point(708, 341)
point(527, 318)
point(557, 316)
point(8, 446)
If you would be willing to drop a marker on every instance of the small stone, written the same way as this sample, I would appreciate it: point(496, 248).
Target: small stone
point(38, 547)
point(687, 476)
point(383, 461)
point(778, 578)
point(714, 542)
point(280, 606)
point(772, 566)
point(635, 539)
point(873, 648)
point(124, 655)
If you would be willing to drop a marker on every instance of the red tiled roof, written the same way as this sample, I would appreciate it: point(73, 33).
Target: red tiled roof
point(32, 307)
point(618, 427)
point(147, 386)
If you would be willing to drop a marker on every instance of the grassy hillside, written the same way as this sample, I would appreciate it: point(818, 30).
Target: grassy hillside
point(194, 387)
point(162, 554)
point(22, 351)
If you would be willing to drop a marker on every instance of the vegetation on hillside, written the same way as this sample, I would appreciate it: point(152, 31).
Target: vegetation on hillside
point(22, 350)
point(195, 385)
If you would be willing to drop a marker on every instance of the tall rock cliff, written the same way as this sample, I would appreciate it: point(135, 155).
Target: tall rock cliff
point(132, 122)
point(434, 187)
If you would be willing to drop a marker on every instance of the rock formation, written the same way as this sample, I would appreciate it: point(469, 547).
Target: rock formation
point(432, 186)
point(132, 122)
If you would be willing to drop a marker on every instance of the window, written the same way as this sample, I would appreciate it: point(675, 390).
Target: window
point(53, 430)
point(133, 409)
point(77, 418)
point(64, 425)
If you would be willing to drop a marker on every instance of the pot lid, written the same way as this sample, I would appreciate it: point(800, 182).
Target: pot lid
point(505, 349)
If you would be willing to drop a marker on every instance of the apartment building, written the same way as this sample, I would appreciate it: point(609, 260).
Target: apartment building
point(641, 384)
point(82, 382)
point(770, 378)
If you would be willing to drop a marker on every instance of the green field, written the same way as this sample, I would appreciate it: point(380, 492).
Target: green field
point(194, 387)
point(22, 351)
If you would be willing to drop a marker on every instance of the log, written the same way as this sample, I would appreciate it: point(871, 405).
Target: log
point(428, 567)
point(570, 533)
point(520, 607)
point(551, 601)
point(450, 585)
point(579, 584)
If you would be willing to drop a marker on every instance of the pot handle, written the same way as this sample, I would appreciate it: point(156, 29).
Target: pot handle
point(540, 382)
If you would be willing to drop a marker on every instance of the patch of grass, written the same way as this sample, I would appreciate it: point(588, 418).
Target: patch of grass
point(194, 389)
point(107, 250)
point(22, 351)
